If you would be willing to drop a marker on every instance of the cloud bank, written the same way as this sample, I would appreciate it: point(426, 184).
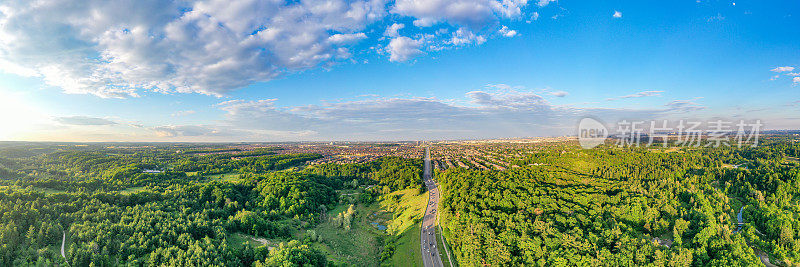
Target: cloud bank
point(83, 121)
point(490, 113)
point(121, 48)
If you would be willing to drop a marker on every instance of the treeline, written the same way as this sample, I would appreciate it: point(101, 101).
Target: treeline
point(392, 173)
point(118, 173)
point(92, 162)
point(215, 164)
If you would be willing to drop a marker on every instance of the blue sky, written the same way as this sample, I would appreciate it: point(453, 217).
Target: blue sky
point(334, 70)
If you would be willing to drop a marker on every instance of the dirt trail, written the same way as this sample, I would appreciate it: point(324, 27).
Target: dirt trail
point(63, 241)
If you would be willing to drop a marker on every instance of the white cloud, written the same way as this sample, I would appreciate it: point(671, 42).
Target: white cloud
point(545, 2)
point(424, 22)
point(496, 112)
point(783, 69)
point(112, 48)
point(501, 113)
point(637, 95)
point(534, 17)
point(617, 14)
point(786, 70)
point(403, 48)
point(475, 14)
point(394, 30)
point(463, 36)
point(121, 48)
point(347, 38)
point(505, 31)
point(682, 106)
point(559, 93)
point(508, 99)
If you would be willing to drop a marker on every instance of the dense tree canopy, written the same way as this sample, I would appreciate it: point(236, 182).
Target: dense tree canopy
point(626, 206)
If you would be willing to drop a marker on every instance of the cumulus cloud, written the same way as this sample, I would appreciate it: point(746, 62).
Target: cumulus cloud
point(121, 48)
point(464, 36)
point(113, 48)
point(394, 30)
point(475, 14)
point(637, 95)
point(782, 69)
point(559, 93)
point(83, 121)
point(346, 38)
point(787, 71)
point(617, 14)
point(403, 48)
point(534, 17)
point(508, 99)
point(544, 2)
point(505, 31)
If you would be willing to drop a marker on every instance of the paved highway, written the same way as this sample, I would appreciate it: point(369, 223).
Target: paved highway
point(430, 252)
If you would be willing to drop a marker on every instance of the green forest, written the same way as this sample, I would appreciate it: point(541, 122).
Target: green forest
point(168, 205)
point(210, 205)
point(615, 206)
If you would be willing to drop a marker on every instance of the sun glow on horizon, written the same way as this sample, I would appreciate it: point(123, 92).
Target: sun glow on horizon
point(19, 118)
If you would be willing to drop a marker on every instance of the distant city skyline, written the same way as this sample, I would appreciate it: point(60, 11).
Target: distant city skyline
point(374, 70)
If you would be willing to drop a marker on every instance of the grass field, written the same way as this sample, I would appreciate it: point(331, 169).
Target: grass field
point(441, 246)
point(239, 240)
point(132, 190)
point(225, 177)
point(361, 245)
point(407, 207)
point(408, 251)
point(358, 246)
point(445, 247)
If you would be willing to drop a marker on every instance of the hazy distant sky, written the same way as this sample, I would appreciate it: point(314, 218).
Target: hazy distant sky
point(387, 70)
